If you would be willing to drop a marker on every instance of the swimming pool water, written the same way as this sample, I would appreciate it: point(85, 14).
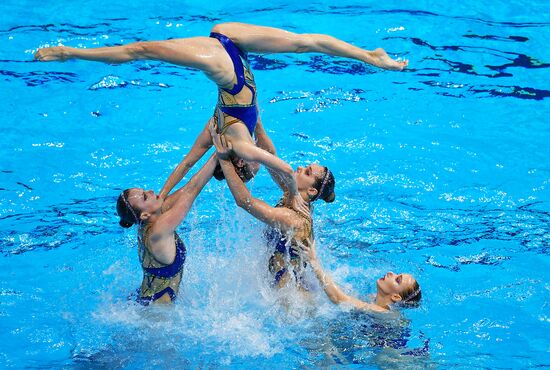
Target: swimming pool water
point(442, 171)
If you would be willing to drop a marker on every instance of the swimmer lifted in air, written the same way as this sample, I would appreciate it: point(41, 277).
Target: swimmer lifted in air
point(223, 59)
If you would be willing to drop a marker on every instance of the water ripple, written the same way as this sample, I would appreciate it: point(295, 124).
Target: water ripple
point(55, 227)
point(37, 78)
point(418, 228)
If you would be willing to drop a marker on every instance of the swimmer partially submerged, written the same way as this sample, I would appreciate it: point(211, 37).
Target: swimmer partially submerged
point(288, 228)
point(161, 251)
point(391, 289)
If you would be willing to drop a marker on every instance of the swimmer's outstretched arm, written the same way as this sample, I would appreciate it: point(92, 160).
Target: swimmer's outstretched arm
point(264, 141)
point(200, 146)
point(281, 171)
point(332, 290)
point(252, 153)
point(259, 39)
point(282, 218)
point(177, 205)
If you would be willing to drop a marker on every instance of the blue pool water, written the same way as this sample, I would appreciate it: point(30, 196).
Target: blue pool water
point(442, 171)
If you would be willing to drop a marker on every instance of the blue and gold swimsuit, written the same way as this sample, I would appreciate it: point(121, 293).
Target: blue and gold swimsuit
point(230, 108)
point(285, 258)
point(158, 278)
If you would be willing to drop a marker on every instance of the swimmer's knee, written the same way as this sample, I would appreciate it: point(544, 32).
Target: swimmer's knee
point(224, 28)
point(138, 49)
point(304, 43)
point(217, 28)
point(146, 49)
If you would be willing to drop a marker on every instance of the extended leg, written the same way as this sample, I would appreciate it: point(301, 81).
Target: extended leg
point(259, 39)
point(203, 53)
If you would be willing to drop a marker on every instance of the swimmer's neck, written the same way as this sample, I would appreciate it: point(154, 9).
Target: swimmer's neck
point(383, 300)
point(153, 216)
point(286, 200)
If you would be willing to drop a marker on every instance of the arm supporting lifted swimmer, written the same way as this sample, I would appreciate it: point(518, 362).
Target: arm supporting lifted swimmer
point(281, 218)
point(178, 204)
point(264, 142)
point(201, 146)
point(279, 169)
point(250, 152)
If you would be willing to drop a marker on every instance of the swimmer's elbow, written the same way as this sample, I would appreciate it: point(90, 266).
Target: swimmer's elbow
point(244, 202)
point(287, 170)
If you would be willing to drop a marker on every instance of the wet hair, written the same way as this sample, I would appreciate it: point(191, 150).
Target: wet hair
point(412, 296)
point(245, 172)
point(218, 172)
point(325, 187)
point(128, 214)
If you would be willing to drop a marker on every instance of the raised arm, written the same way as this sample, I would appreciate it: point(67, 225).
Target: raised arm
point(279, 169)
point(250, 152)
point(281, 218)
point(201, 146)
point(178, 204)
point(332, 290)
point(264, 142)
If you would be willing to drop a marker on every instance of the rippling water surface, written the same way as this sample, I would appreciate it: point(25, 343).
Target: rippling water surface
point(442, 171)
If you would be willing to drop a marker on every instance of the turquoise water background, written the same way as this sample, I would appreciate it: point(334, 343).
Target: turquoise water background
point(442, 171)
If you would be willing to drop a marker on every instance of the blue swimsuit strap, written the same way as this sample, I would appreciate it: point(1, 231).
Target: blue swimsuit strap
point(235, 54)
point(175, 267)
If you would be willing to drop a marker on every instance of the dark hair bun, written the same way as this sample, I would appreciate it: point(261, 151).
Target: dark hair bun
point(218, 173)
point(245, 173)
point(125, 224)
point(330, 198)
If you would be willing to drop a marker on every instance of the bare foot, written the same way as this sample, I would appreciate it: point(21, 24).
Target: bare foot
point(56, 53)
point(381, 59)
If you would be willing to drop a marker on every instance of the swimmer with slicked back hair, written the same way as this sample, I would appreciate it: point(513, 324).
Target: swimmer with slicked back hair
point(223, 57)
point(391, 289)
point(288, 229)
point(161, 250)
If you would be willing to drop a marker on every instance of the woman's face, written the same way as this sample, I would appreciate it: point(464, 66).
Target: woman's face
point(144, 200)
point(395, 283)
point(306, 176)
